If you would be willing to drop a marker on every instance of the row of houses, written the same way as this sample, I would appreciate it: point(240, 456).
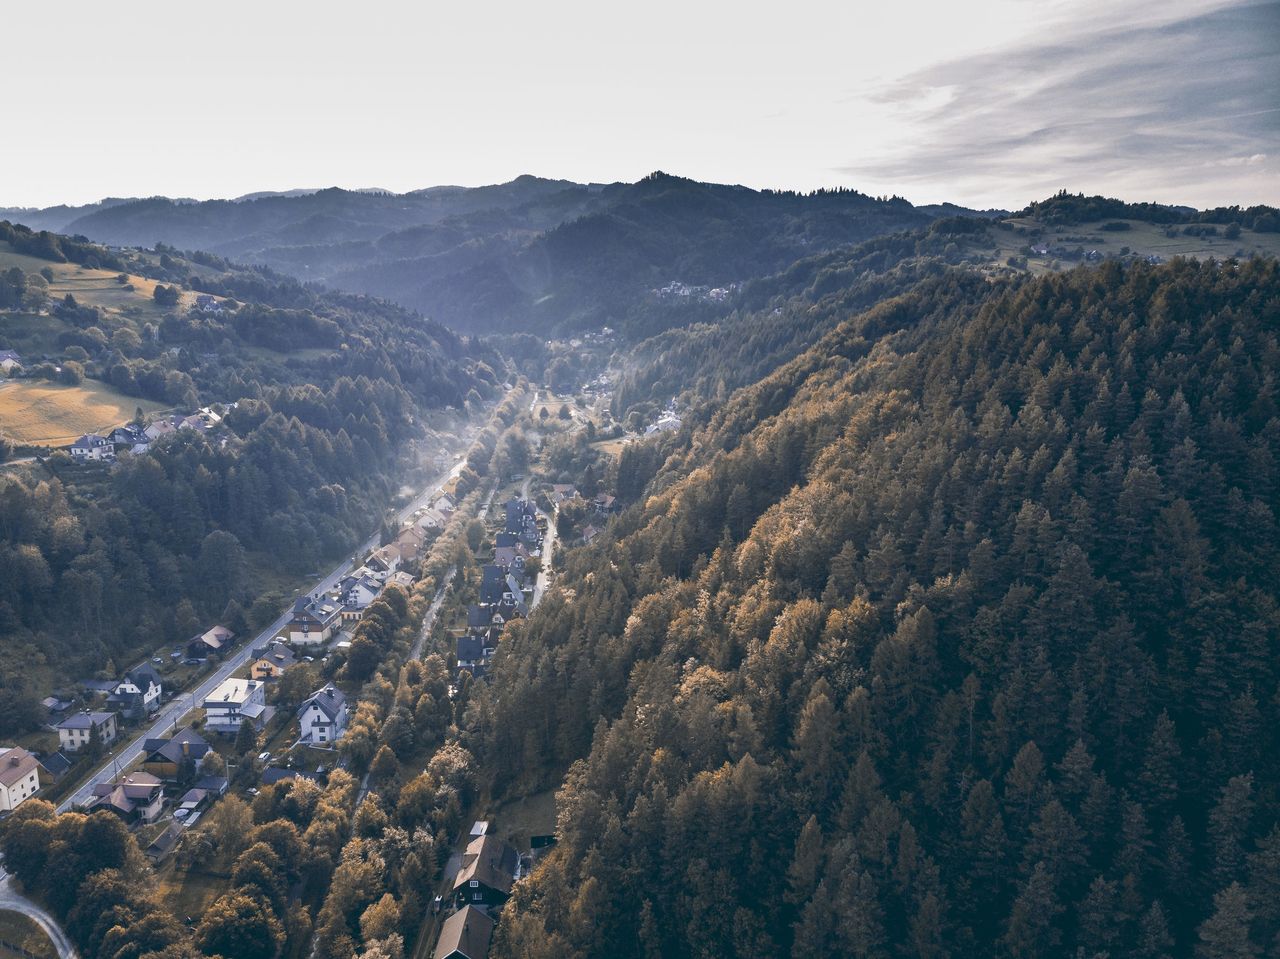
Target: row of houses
point(503, 584)
point(136, 439)
point(482, 885)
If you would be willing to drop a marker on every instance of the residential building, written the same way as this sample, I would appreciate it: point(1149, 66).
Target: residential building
point(323, 717)
point(465, 935)
point(136, 797)
point(166, 758)
point(137, 696)
point(216, 640)
point(76, 731)
point(493, 584)
point(271, 661)
point(314, 621)
point(382, 562)
point(489, 869)
point(605, 504)
point(92, 448)
point(9, 361)
point(19, 777)
point(358, 590)
point(234, 701)
point(159, 428)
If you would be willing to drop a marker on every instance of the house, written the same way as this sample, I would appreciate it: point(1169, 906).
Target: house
point(430, 518)
point(402, 579)
point(274, 774)
point(313, 621)
point(605, 504)
point(137, 696)
point(465, 935)
point(271, 661)
point(505, 539)
point(159, 428)
point(358, 590)
point(135, 797)
point(166, 758)
point(191, 802)
point(479, 618)
point(472, 654)
point(234, 701)
point(19, 777)
point(493, 584)
point(382, 562)
point(444, 503)
point(56, 707)
point(53, 767)
point(77, 730)
point(589, 533)
point(489, 869)
point(213, 785)
point(216, 640)
point(159, 848)
point(323, 716)
point(511, 557)
point(563, 492)
point(10, 361)
point(411, 542)
point(92, 448)
point(668, 422)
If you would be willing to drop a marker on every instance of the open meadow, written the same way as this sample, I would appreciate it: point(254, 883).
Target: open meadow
point(40, 413)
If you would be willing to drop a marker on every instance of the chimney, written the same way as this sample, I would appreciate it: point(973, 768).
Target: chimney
point(186, 747)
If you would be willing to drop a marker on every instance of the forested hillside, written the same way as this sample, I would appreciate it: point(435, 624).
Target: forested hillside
point(324, 397)
point(537, 255)
point(956, 635)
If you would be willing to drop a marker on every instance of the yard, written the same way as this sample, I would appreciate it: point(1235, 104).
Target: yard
point(41, 413)
point(17, 930)
point(533, 815)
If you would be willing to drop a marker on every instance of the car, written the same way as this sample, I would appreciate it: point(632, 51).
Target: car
point(180, 813)
point(264, 757)
point(252, 791)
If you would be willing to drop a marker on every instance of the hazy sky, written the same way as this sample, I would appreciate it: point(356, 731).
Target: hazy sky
point(989, 103)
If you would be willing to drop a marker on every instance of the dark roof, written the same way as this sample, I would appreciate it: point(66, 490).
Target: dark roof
point(470, 648)
point(330, 699)
point(214, 784)
point(85, 720)
point(274, 774)
point(142, 674)
point(466, 933)
point(56, 763)
point(171, 750)
point(506, 539)
point(493, 584)
point(479, 616)
point(163, 844)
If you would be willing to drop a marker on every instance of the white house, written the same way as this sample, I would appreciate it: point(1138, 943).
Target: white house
point(323, 717)
point(9, 361)
point(91, 448)
point(234, 701)
point(668, 422)
point(313, 621)
point(137, 695)
point(19, 777)
point(76, 730)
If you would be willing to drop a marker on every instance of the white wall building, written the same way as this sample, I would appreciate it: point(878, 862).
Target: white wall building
point(19, 777)
point(234, 701)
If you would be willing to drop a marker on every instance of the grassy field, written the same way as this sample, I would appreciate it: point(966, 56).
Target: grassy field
point(20, 931)
point(49, 414)
point(1144, 239)
point(99, 288)
point(612, 447)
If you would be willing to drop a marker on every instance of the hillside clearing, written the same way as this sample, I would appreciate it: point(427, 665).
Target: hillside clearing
point(41, 413)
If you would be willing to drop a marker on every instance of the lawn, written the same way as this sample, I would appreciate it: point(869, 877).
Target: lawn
point(533, 815)
point(17, 930)
point(49, 414)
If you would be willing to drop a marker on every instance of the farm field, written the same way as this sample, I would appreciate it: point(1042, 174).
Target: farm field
point(41, 413)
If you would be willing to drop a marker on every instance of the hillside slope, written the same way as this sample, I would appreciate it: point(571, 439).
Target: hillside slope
point(956, 635)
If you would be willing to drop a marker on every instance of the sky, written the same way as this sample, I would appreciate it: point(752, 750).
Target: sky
point(990, 103)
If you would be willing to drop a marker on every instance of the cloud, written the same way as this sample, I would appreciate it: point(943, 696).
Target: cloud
point(1182, 110)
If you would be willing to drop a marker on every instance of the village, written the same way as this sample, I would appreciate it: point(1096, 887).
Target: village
point(256, 726)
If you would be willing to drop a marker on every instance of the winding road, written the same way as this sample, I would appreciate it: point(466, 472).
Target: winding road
point(16, 902)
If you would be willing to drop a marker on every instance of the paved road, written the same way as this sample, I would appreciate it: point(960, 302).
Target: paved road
point(167, 718)
point(12, 900)
point(543, 581)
